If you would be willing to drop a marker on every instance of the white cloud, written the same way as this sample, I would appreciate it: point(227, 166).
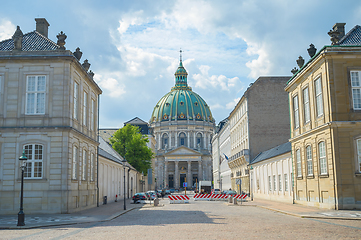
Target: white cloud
point(7, 29)
point(232, 104)
point(110, 86)
point(221, 82)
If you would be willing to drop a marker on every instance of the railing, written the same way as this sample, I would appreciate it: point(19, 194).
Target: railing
point(244, 152)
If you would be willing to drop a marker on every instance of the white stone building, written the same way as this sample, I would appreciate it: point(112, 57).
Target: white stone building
point(182, 125)
point(221, 149)
point(271, 174)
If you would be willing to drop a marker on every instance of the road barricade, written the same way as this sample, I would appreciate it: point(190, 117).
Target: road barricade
point(209, 197)
point(178, 199)
point(240, 196)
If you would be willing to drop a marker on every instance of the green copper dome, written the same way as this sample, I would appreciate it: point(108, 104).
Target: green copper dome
point(181, 103)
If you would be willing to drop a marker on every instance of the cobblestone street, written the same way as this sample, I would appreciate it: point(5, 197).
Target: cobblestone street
point(199, 220)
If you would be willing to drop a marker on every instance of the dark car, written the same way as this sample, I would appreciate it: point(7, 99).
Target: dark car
point(172, 190)
point(139, 196)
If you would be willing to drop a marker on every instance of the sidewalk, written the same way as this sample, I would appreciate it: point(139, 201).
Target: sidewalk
point(304, 211)
point(96, 214)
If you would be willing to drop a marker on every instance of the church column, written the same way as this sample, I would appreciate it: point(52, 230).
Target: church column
point(159, 144)
point(194, 140)
point(176, 174)
point(190, 177)
point(188, 140)
point(200, 170)
point(165, 178)
point(204, 140)
point(170, 140)
point(176, 139)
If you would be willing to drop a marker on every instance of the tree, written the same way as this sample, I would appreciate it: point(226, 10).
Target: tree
point(132, 145)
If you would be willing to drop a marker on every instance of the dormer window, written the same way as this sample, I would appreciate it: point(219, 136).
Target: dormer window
point(181, 103)
point(196, 104)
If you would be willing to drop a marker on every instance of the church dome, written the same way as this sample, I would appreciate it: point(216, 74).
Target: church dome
point(181, 103)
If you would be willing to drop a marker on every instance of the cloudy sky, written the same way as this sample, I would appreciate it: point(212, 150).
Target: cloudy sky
point(133, 46)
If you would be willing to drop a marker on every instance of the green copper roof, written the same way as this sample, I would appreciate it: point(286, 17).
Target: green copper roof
point(181, 102)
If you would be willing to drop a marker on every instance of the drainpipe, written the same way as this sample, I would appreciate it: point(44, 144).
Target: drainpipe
point(98, 155)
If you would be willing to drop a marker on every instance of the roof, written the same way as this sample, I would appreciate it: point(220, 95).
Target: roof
point(105, 134)
point(32, 41)
point(273, 152)
point(136, 121)
point(105, 150)
point(353, 37)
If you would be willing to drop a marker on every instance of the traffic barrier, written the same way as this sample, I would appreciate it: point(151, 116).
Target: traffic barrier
point(209, 197)
point(178, 199)
point(240, 196)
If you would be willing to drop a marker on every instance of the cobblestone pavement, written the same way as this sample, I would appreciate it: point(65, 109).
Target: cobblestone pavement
point(198, 220)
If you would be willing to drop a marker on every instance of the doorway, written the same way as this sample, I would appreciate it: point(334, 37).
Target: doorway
point(170, 181)
point(182, 179)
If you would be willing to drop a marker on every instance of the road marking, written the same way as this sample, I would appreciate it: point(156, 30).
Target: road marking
point(334, 223)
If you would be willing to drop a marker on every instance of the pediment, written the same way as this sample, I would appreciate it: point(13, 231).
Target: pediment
point(182, 151)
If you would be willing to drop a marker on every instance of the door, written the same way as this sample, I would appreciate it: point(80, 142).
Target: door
point(170, 181)
point(182, 180)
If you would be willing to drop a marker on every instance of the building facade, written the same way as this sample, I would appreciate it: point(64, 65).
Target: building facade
point(325, 99)
point(49, 109)
point(182, 125)
point(259, 121)
point(111, 175)
point(271, 174)
point(221, 149)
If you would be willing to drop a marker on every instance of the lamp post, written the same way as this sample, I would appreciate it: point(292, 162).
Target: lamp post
point(124, 161)
point(21, 215)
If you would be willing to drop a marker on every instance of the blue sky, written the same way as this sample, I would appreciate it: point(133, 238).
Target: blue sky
point(133, 46)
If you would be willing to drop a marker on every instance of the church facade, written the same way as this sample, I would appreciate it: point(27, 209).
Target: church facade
point(182, 125)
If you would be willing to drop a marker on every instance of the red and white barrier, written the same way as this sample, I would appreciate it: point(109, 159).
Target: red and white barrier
point(209, 197)
point(240, 196)
point(178, 199)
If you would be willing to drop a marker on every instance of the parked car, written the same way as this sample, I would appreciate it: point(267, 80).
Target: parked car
point(151, 195)
point(167, 192)
point(159, 193)
point(139, 196)
point(230, 192)
point(172, 190)
point(216, 191)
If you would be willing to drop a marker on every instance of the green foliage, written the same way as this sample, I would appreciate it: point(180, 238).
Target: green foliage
point(132, 145)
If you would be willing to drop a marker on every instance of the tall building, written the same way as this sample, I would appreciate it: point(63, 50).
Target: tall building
point(182, 125)
point(325, 100)
point(221, 149)
point(49, 109)
point(259, 121)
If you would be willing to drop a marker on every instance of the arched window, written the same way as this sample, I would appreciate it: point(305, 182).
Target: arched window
point(34, 164)
point(165, 141)
point(182, 139)
point(199, 140)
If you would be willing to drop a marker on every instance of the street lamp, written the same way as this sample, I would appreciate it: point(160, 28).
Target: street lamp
point(124, 161)
point(21, 215)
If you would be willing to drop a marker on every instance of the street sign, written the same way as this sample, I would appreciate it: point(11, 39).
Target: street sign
point(185, 184)
point(238, 181)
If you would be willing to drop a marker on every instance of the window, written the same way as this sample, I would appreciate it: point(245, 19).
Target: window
point(75, 163)
point(359, 154)
point(84, 165)
point(295, 112)
point(76, 97)
point(319, 101)
point(182, 139)
point(298, 161)
point(356, 89)
point(286, 182)
point(85, 109)
point(306, 105)
point(279, 182)
point(309, 160)
point(92, 110)
point(92, 167)
point(35, 95)
point(274, 183)
point(270, 183)
point(34, 164)
point(322, 158)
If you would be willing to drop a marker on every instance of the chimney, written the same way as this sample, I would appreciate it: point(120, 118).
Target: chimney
point(339, 27)
point(42, 26)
